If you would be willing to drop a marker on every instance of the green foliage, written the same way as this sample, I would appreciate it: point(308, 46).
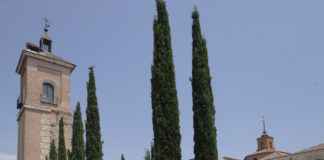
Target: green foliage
point(166, 127)
point(52, 152)
point(78, 149)
point(61, 142)
point(93, 135)
point(205, 147)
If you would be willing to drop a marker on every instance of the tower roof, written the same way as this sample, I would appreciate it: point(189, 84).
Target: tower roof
point(43, 51)
point(34, 51)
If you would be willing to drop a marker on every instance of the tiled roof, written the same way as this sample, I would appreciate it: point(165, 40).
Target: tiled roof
point(274, 155)
point(229, 158)
point(261, 152)
point(317, 147)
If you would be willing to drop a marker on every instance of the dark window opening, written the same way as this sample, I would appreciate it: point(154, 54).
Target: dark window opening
point(48, 93)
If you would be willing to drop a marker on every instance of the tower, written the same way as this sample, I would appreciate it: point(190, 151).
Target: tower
point(44, 99)
point(264, 145)
point(265, 142)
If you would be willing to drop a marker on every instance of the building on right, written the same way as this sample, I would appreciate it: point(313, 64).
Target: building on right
point(312, 153)
point(267, 151)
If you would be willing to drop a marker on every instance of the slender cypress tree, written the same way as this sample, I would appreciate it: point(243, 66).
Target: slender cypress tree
point(147, 155)
point(205, 147)
point(93, 134)
point(152, 152)
point(69, 155)
point(166, 127)
point(77, 136)
point(61, 143)
point(52, 152)
point(122, 157)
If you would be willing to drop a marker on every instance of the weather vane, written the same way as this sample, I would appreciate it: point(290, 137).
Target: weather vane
point(264, 125)
point(46, 25)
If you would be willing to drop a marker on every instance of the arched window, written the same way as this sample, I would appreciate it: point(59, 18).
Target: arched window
point(48, 93)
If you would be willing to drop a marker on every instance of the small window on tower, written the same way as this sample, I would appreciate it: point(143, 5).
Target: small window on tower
point(45, 44)
point(48, 93)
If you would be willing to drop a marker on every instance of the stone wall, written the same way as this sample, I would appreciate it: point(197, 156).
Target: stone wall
point(50, 130)
point(45, 136)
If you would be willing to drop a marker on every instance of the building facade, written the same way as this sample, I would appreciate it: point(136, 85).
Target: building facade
point(44, 99)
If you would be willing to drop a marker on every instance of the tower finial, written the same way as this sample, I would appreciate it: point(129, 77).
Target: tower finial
point(45, 42)
point(264, 125)
point(46, 25)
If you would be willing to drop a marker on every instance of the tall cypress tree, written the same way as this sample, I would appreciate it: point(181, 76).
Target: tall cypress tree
point(122, 157)
point(78, 150)
point(52, 152)
point(205, 147)
point(166, 127)
point(147, 155)
point(69, 155)
point(152, 152)
point(93, 134)
point(61, 143)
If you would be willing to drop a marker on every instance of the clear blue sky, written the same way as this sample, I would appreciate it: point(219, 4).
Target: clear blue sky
point(266, 58)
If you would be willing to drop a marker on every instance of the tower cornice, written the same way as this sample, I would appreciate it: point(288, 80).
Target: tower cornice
point(48, 57)
point(45, 110)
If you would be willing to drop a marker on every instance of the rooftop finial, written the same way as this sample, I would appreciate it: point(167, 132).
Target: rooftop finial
point(264, 125)
point(46, 25)
point(45, 42)
point(91, 67)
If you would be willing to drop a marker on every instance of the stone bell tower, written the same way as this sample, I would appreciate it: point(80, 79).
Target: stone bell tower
point(44, 99)
point(265, 142)
point(265, 146)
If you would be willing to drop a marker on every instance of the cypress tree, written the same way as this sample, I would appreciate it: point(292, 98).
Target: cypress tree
point(122, 157)
point(147, 155)
point(69, 155)
point(61, 143)
point(205, 147)
point(152, 152)
point(93, 134)
point(77, 136)
point(52, 152)
point(166, 127)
